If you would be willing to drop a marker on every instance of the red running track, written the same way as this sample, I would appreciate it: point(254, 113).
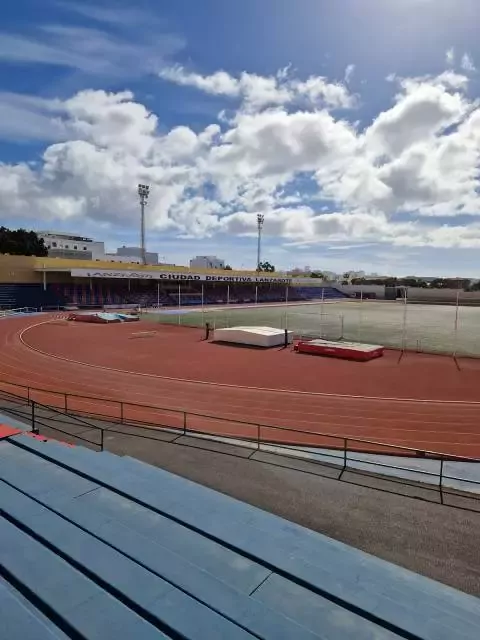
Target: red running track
point(424, 402)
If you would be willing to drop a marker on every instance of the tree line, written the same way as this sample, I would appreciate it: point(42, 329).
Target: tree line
point(463, 284)
point(20, 242)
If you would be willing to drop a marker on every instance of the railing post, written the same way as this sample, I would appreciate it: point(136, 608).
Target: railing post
point(28, 394)
point(258, 437)
point(66, 403)
point(440, 486)
point(345, 449)
point(101, 439)
point(34, 427)
point(121, 413)
point(184, 423)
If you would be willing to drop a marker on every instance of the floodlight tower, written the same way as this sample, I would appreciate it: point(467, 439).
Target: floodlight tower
point(260, 221)
point(143, 193)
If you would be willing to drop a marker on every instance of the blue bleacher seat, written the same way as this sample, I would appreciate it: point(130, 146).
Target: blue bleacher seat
point(210, 572)
point(230, 568)
point(129, 581)
point(316, 293)
point(20, 619)
point(29, 295)
point(76, 602)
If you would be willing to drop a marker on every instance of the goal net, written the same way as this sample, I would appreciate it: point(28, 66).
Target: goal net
point(321, 326)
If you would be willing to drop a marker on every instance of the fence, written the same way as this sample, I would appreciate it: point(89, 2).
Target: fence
point(446, 328)
point(15, 312)
point(337, 451)
point(448, 324)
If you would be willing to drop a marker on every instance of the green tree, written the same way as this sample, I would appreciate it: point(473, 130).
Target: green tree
point(412, 282)
point(317, 274)
point(266, 266)
point(20, 242)
point(227, 267)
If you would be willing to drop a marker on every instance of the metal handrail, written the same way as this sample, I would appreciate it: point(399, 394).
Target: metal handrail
point(392, 449)
point(341, 461)
point(18, 310)
point(185, 431)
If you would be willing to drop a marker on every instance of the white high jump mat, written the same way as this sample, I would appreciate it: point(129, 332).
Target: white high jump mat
point(254, 336)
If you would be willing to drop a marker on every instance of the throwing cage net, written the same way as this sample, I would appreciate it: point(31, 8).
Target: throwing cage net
point(314, 327)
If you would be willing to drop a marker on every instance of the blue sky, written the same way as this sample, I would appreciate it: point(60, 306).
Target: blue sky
point(352, 126)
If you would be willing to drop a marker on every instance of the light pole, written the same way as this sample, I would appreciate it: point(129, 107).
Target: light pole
point(260, 221)
point(143, 193)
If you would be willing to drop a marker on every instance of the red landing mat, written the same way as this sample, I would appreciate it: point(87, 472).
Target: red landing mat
point(345, 350)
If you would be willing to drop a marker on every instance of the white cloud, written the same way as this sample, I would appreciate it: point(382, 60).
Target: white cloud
point(447, 80)
point(278, 143)
point(218, 83)
point(24, 118)
point(349, 71)
point(123, 17)
point(403, 180)
point(467, 63)
point(258, 92)
point(92, 51)
point(420, 113)
point(320, 92)
point(450, 57)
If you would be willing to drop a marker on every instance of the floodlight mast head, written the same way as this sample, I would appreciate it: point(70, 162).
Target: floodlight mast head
point(143, 193)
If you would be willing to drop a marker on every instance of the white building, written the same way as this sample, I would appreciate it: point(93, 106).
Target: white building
point(132, 255)
point(331, 276)
point(69, 245)
point(207, 262)
point(136, 253)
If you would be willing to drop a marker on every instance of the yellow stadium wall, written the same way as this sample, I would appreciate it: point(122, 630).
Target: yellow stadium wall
point(18, 269)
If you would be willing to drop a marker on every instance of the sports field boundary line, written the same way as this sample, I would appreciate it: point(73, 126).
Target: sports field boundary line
point(232, 386)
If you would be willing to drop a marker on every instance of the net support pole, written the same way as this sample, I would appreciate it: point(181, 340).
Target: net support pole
point(360, 317)
point(158, 294)
point(404, 327)
point(203, 310)
point(455, 328)
point(286, 309)
point(321, 312)
point(179, 301)
point(256, 294)
point(228, 294)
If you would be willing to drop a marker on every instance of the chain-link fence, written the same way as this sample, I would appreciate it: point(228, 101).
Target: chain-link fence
point(452, 329)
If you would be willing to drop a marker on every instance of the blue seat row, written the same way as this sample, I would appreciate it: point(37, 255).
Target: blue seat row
point(28, 295)
point(77, 603)
point(261, 575)
point(20, 619)
point(143, 537)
